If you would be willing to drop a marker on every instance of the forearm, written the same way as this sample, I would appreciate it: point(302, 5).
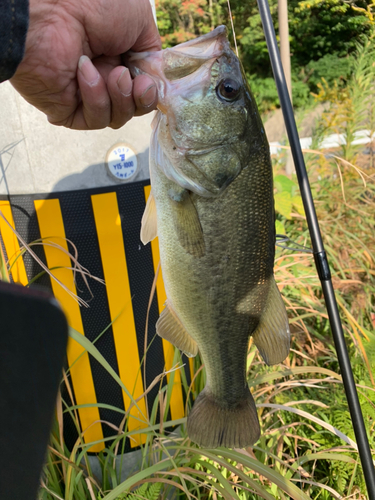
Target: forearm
point(14, 20)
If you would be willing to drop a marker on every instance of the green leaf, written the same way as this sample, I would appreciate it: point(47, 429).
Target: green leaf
point(325, 456)
point(273, 476)
point(91, 349)
point(153, 491)
point(283, 204)
point(279, 227)
point(146, 490)
point(298, 370)
point(283, 183)
point(128, 483)
point(220, 476)
point(312, 418)
point(298, 204)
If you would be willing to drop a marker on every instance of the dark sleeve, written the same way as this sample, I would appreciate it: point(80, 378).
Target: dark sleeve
point(14, 21)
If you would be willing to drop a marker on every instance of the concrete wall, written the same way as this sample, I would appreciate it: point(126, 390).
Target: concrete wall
point(37, 157)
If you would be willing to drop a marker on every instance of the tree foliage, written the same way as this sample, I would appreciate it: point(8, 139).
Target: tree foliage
point(323, 35)
point(179, 21)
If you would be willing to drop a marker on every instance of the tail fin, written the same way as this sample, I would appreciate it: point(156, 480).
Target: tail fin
point(212, 424)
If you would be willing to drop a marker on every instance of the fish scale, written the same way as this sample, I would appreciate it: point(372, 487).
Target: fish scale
point(212, 208)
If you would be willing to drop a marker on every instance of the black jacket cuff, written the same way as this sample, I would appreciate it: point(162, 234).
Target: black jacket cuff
point(14, 22)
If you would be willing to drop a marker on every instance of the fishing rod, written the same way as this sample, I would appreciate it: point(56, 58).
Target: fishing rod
point(320, 256)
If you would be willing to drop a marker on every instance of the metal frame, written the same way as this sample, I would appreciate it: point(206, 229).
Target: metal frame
point(321, 262)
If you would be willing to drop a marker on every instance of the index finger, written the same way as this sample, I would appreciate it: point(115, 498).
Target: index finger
point(149, 38)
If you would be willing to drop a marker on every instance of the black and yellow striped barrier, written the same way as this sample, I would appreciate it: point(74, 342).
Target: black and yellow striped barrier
point(104, 226)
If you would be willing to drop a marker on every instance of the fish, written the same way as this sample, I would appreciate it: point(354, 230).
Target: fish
point(212, 208)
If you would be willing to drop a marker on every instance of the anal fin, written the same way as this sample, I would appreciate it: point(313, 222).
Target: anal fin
point(170, 328)
point(149, 229)
point(272, 335)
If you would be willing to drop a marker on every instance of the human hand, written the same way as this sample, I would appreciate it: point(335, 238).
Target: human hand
point(72, 69)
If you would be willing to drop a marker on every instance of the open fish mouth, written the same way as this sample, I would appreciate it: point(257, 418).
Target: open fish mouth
point(170, 68)
point(184, 59)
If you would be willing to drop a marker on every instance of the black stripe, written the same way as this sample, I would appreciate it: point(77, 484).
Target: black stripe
point(186, 362)
point(26, 224)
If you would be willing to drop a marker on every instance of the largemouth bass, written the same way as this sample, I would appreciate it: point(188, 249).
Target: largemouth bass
point(211, 205)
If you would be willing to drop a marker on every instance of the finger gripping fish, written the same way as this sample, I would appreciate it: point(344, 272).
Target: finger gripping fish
point(211, 205)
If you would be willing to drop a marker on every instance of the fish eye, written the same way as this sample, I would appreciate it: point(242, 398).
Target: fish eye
point(228, 89)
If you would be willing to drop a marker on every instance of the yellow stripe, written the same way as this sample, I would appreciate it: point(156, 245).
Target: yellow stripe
point(11, 245)
point(111, 244)
point(52, 227)
point(177, 402)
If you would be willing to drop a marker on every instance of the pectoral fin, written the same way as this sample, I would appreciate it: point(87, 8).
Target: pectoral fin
point(187, 224)
point(272, 336)
point(149, 229)
point(170, 328)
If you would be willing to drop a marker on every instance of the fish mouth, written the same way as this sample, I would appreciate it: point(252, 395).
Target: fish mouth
point(188, 53)
point(169, 66)
point(186, 58)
